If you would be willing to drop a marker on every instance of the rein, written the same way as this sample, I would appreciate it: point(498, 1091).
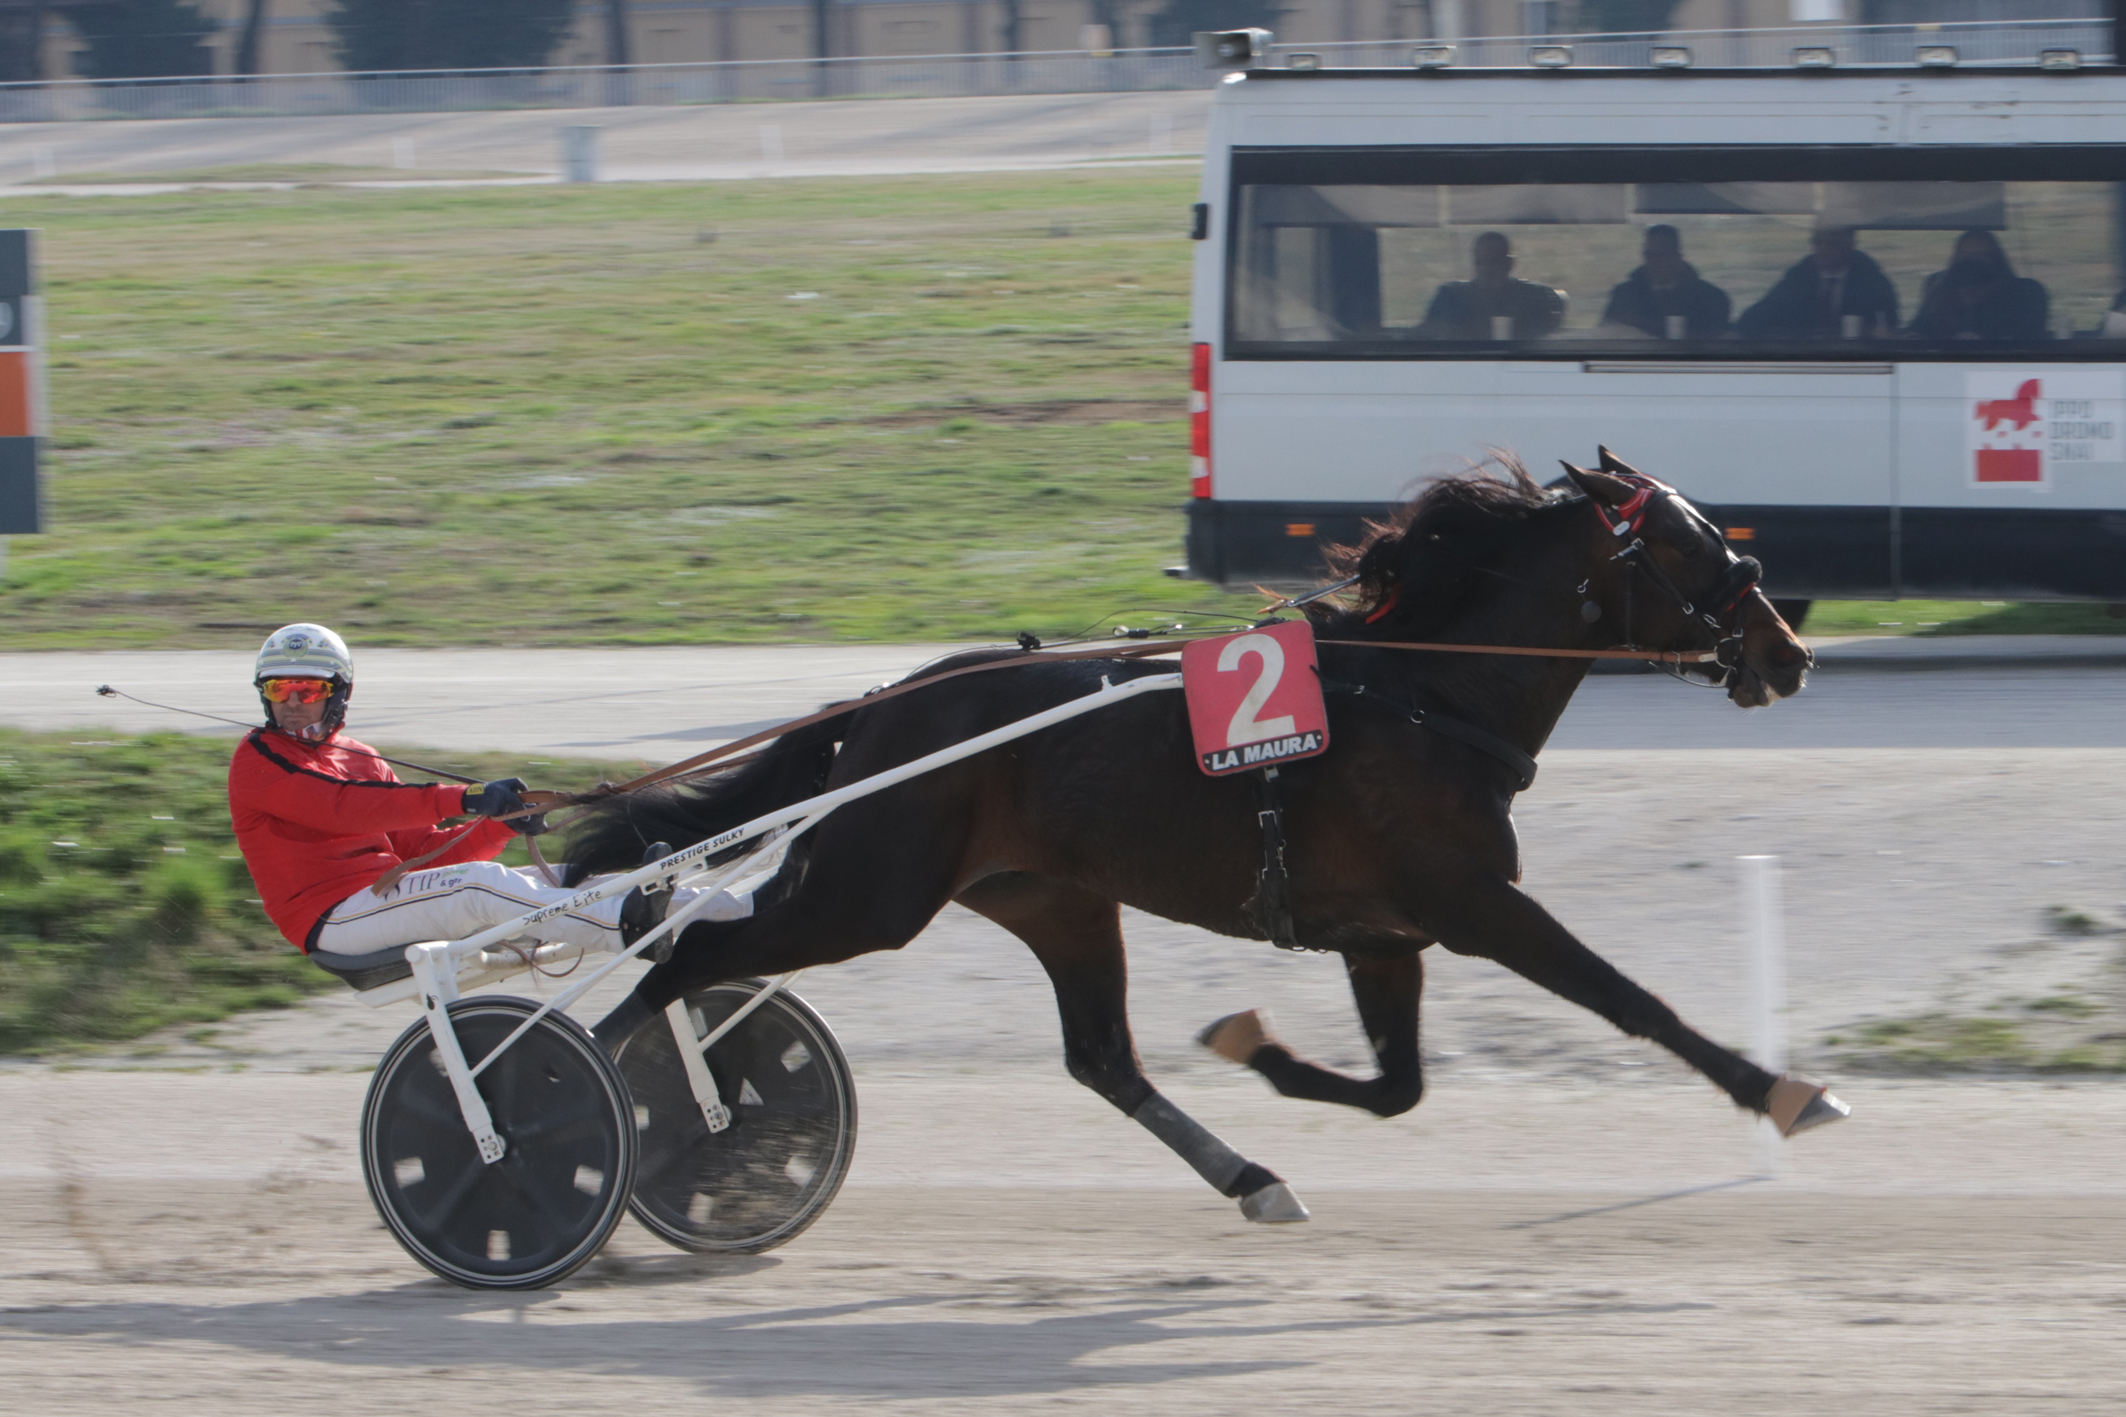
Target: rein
point(711, 760)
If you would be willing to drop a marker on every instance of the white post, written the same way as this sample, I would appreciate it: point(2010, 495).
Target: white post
point(579, 150)
point(1764, 927)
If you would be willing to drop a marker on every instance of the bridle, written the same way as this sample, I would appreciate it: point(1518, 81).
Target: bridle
point(1741, 577)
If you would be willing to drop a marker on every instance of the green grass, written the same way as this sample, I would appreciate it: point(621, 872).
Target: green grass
point(1960, 617)
point(124, 906)
point(2050, 1035)
point(598, 414)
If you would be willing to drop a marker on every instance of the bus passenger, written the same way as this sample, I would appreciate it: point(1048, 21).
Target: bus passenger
point(1981, 297)
point(1495, 305)
point(2114, 326)
point(1666, 288)
point(1833, 292)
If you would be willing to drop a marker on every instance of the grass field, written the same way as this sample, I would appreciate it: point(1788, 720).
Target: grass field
point(124, 906)
point(909, 408)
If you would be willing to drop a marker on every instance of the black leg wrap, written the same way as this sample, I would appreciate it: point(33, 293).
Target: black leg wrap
point(1251, 1179)
point(620, 1025)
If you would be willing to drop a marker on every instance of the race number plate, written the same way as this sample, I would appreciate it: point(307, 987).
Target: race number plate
point(1254, 699)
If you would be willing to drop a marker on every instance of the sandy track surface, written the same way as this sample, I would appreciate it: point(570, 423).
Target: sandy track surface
point(229, 1300)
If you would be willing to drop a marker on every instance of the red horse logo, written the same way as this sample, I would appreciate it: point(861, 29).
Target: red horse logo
point(2021, 411)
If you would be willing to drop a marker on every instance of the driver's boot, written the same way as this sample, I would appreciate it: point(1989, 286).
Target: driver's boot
point(645, 907)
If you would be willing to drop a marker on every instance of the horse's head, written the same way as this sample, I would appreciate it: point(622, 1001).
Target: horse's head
point(1665, 578)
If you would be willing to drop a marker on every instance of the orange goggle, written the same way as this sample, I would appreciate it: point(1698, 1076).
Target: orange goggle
point(296, 691)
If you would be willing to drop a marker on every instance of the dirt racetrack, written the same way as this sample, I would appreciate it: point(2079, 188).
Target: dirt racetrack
point(235, 1300)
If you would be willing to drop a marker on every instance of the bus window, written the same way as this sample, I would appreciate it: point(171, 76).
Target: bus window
point(1731, 255)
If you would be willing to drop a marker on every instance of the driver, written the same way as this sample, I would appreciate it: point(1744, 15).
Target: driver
point(321, 819)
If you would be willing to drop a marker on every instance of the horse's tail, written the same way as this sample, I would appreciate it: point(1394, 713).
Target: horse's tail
point(611, 835)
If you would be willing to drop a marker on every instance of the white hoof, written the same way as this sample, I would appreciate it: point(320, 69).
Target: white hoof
point(1274, 1204)
point(1236, 1036)
point(1797, 1104)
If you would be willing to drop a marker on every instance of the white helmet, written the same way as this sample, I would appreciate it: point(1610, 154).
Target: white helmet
point(307, 651)
point(304, 652)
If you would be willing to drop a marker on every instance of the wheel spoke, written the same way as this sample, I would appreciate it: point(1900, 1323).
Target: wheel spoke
point(430, 1219)
point(556, 1126)
point(541, 1199)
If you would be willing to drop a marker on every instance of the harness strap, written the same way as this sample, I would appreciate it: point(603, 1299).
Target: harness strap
point(1272, 905)
point(1481, 739)
point(1656, 656)
point(1447, 726)
point(687, 766)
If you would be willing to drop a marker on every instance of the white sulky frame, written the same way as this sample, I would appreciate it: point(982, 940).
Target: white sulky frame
point(441, 970)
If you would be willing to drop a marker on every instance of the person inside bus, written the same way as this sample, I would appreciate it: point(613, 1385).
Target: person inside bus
point(1980, 296)
point(2114, 326)
point(1666, 289)
point(1496, 304)
point(1834, 292)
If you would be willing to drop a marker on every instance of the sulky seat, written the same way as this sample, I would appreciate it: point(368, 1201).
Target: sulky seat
point(369, 971)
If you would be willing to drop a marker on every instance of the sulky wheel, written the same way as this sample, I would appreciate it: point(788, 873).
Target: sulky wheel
point(562, 1111)
point(779, 1162)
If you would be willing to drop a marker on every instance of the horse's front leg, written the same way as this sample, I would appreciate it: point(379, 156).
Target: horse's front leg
point(1385, 986)
point(1077, 936)
point(1494, 919)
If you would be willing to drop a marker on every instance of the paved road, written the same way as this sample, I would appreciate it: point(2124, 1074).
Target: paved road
point(659, 705)
point(697, 143)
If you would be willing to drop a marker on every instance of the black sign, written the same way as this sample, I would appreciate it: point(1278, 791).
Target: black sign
point(14, 287)
point(20, 509)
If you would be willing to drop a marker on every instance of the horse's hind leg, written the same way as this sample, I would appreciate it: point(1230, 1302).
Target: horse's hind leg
point(1386, 988)
point(872, 882)
point(1077, 936)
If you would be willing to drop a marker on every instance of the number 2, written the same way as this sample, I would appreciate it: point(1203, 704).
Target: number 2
point(1245, 727)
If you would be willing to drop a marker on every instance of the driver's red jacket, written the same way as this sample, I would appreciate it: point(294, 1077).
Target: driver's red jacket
point(319, 821)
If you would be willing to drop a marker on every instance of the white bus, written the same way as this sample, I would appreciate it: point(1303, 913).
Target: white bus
point(1873, 321)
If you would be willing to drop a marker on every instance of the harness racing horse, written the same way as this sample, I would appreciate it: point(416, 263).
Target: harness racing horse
point(1400, 837)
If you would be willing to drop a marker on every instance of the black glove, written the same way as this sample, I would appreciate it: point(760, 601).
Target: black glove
point(534, 825)
point(495, 799)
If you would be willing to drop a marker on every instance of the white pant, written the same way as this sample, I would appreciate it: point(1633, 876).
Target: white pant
point(454, 902)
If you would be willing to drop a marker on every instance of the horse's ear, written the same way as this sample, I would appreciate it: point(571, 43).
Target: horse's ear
point(1612, 463)
point(1609, 491)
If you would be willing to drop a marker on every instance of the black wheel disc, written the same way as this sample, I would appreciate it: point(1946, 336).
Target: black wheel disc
point(775, 1168)
point(561, 1109)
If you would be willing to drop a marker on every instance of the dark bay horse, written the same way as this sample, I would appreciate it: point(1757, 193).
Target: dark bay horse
point(1400, 837)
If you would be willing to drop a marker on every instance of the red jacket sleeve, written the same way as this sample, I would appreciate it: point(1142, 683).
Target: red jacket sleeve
point(483, 843)
point(337, 805)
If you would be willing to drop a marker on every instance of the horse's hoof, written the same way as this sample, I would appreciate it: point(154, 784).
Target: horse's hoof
point(1274, 1204)
point(1796, 1104)
point(1236, 1036)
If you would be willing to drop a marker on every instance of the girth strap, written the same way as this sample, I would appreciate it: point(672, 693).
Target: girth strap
point(1482, 740)
point(1447, 726)
point(1272, 905)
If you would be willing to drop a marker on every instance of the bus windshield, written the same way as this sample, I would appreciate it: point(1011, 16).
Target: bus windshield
point(1821, 253)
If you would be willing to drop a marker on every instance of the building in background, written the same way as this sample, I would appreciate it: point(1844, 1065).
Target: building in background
point(294, 36)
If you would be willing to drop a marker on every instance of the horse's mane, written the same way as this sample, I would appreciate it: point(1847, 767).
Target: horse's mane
point(1429, 557)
